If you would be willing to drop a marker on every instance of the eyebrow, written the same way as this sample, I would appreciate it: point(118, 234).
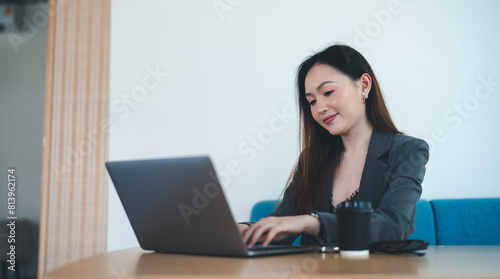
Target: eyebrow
point(320, 86)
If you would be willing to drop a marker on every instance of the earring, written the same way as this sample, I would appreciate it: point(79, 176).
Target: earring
point(364, 97)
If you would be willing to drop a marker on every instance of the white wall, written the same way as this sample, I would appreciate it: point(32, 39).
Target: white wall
point(231, 77)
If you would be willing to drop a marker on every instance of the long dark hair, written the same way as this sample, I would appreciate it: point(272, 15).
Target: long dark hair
point(321, 151)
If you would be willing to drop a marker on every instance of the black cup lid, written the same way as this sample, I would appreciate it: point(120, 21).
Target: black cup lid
point(354, 206)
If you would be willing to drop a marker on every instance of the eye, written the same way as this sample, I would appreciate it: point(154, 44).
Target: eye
point(312, 102)
point(327, 93)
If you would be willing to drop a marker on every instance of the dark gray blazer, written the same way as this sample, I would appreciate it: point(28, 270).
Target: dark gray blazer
point(391, 180)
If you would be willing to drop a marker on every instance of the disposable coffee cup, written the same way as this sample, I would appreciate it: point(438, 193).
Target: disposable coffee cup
point(354, 222)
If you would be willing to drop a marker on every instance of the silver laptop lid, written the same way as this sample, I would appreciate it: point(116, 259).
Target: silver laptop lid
point(177, 205)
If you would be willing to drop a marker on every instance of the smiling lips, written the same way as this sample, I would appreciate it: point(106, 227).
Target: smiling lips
point(330, 118)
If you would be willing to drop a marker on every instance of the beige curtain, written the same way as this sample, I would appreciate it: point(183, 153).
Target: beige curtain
point(74, 180)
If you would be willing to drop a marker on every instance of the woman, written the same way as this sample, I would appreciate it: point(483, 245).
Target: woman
point(351, 150)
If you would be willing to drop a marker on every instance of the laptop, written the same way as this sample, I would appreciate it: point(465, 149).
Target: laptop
point(177, 205)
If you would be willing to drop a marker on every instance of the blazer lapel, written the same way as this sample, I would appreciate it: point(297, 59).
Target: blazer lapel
point(373, 177)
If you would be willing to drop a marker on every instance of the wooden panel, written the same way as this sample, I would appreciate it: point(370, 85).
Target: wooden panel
point(76, 127)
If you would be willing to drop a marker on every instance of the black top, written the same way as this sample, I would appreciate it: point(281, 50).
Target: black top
point(353, 197)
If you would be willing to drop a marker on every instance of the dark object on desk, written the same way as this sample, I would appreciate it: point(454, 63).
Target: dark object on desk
point(399, 247)
point(354, 222)
point(178, 206)
point(327, 249)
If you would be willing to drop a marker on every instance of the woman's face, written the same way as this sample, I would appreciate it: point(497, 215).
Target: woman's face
point(336, 101)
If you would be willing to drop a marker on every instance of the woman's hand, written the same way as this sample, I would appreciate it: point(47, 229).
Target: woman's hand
point(243, 227)
point(278, 228)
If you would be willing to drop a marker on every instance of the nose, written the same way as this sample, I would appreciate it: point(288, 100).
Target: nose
point(321, 107)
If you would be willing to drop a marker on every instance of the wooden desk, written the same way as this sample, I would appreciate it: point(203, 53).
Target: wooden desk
point(444, 262)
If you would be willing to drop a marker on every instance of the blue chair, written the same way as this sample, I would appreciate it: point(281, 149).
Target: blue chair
point(425, 227)
point(467, 221)
point(264, 208)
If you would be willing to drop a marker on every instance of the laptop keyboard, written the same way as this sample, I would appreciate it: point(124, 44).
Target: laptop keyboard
point(258, 247)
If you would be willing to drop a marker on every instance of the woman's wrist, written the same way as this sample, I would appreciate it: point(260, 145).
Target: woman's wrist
point(312, 224)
